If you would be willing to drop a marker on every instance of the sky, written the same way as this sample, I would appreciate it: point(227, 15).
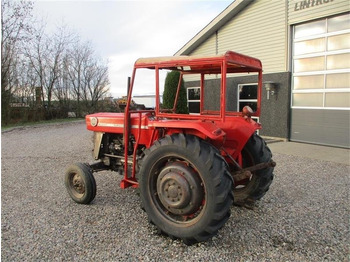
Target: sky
point(123, 31)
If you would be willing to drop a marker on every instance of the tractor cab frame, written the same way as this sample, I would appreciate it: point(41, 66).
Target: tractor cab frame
point(209, 124)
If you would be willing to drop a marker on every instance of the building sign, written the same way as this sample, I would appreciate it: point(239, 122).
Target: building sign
point(309, 3)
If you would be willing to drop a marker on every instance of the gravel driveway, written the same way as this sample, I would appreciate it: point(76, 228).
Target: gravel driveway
point(304, 216)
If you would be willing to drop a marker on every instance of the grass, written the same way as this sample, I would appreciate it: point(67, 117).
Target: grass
point(24, 124)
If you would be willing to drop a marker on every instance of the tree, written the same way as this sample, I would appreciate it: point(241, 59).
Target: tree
point(46, 55)
point(170, 88)
point(15, 29)
point(96, 84)
point(56, 67)
point(62, 86)
point(77, 60)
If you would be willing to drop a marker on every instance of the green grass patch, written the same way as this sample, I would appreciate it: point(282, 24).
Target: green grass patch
point(45, 122)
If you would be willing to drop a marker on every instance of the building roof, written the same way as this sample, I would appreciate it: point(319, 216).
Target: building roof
point(225, 16)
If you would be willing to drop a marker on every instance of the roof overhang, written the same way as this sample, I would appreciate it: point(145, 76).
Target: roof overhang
point(225, 16)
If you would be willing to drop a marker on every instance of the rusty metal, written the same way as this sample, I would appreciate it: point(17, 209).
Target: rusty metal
point(241, 175)
point(179, 189)
point(78, 184)
point(247, 172)
point(247, 111)
point(98, 166)
point(232, 159)
point(261, 166)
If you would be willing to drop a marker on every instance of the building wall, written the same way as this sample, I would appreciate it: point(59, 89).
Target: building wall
point(274, 111)
point(207, 48)
point(244, 34)
point(264, 29)
point(300, 10)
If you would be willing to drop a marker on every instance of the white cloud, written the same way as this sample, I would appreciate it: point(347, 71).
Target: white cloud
point(123, 31)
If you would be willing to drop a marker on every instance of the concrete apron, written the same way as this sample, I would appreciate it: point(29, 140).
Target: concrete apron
point(326, 153)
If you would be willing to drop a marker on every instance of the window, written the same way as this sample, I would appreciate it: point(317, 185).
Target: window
point(193, 100)
point(247, 96)
point(321, 64)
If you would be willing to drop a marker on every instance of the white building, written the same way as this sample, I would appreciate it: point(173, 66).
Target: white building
point(304, 46)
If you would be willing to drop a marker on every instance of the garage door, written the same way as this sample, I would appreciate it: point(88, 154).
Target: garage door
point(321, 82)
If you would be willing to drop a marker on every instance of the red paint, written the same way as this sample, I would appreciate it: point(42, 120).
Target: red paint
point(230, 130)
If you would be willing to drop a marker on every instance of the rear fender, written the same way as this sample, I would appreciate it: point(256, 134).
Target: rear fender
point(238, 133)
point(204, 130)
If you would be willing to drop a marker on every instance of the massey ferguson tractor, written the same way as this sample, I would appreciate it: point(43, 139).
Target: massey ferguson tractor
point(190, 168)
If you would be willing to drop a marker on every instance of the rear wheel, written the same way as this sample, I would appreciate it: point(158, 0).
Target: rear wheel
point(254, 188)
point(80, 183)
point(185, 188)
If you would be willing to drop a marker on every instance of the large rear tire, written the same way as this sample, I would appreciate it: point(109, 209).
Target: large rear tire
point(185, 188)
point(254, 188)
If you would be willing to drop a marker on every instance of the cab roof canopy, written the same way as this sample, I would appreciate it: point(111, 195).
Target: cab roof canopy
point(235, 62)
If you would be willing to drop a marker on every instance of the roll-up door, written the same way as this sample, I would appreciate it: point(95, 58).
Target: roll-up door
point(321, 82)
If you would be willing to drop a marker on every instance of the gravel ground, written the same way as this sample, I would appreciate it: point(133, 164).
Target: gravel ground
point(304, 216)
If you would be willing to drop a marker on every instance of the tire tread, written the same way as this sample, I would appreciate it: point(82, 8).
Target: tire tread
point(222, 184)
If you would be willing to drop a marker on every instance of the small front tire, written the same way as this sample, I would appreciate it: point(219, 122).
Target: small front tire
point(80, 183)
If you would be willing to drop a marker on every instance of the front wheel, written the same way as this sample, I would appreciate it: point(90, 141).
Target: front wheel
point(80, 183)
point(254, 188)
point(185, 188)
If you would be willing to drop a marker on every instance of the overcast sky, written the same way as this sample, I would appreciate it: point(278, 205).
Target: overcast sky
point(122, 31)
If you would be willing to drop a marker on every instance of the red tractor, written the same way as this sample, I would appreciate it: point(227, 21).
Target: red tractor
point(189, 168)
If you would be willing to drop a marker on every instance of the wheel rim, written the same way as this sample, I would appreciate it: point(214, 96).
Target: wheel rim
point(77, 185)
point(177, 190)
